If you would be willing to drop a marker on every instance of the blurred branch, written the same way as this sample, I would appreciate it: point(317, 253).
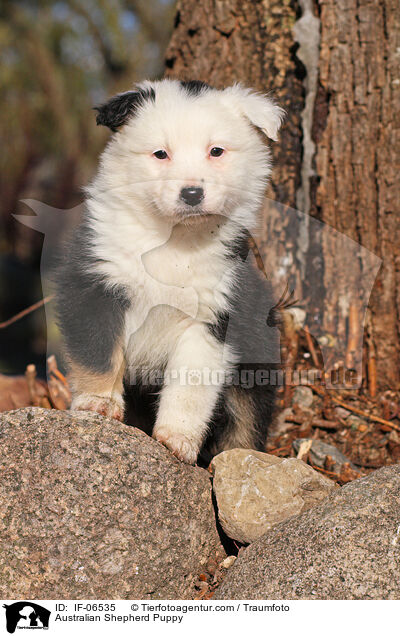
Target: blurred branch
point(25, 312)
point(112, 14)
point(114, 65)
point(145, 12)
point(49, 77)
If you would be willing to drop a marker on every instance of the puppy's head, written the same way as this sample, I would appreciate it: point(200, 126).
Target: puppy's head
point(187, 151)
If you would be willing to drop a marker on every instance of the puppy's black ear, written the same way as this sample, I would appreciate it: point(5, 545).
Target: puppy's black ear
point(119, 108)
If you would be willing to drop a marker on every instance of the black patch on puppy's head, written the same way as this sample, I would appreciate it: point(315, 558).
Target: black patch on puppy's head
point(119, 108)
point(195, 87)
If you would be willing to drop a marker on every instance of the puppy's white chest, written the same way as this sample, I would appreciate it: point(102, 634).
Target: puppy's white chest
point(186, 275)
point(174, 288)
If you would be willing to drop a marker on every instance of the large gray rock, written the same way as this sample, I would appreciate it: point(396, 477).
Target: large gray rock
point(91, 508)
point(347, 547)
point(255, 491)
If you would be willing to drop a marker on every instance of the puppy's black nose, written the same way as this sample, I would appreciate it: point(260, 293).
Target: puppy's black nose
point(192, 195)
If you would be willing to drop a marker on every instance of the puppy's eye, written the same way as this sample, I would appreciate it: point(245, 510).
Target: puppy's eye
point(216, 151)
point(160, 154)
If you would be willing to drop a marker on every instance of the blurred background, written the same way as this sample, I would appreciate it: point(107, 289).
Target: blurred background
point(59, 58)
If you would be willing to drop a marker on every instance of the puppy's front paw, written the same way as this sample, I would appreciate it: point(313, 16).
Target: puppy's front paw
point(179, 445)
point(109, 407)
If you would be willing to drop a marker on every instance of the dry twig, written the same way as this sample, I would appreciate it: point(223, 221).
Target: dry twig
point(354, 409)
point(30, 375)
point(60, 394)
point(311, 348)
point(25, 312)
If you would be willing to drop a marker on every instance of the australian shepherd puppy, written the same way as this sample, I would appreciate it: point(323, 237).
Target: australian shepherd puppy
point(160, 306)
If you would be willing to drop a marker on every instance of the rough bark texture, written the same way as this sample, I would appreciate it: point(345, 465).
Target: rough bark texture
point(91, 508)
point(357, 132)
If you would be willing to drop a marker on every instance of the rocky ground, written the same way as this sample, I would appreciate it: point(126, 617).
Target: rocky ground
point(92, 508)
point(346, 547)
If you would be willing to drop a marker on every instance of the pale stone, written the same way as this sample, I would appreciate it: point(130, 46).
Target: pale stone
point(255, 491)
point(303, 396)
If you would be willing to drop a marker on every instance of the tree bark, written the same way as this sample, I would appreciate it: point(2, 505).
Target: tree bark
point(357, 134)
point(351, 182)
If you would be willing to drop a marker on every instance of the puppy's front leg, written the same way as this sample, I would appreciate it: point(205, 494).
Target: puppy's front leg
point(96, 391)
point(190, 393)
point(91, 316)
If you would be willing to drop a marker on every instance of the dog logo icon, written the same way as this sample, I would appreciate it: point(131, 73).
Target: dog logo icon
point(26, 615)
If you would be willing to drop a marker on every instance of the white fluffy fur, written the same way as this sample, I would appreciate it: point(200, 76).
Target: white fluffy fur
point(174, 263)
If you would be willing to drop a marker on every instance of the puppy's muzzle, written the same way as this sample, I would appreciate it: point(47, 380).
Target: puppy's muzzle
point(192, 195)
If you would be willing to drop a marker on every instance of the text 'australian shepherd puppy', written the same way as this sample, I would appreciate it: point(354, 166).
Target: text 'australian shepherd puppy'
point(164, 315)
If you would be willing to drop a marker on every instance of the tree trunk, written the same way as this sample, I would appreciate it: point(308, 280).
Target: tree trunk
point(333, 65)
point(357, 134)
